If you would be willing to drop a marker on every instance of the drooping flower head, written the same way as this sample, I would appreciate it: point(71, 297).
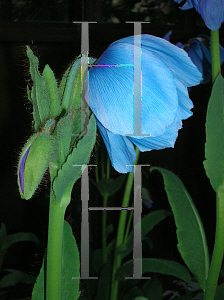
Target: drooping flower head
point(211, 11)
point(199, 50)
point(165, 71)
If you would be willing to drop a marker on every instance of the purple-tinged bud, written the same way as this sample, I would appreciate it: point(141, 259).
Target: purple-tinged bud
point(21, 169)
point(33, 163)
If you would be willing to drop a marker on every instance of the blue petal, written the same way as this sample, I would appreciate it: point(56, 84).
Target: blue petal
point(111, 88)
point(120, 149)
point(160, 142)
point(189, 4)
point(111, 92)
point(185, 103)
point(167, 36)
point(201, 57)
point(174, 57)
point(200, 54)
point(212, 12)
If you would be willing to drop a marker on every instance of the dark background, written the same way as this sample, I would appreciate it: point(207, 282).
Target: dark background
point(47, 27)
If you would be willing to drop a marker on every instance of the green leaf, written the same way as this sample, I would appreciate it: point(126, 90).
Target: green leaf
point(52, 89)
point(80, 120)
point(70, 265)
point(189, 296)
point(71, 81)
point(155, 265)
point(110, 228)
point(133, 293)
point(70, 269)
point(61, 88)
point(63, 135)
point(15, 277)
point(146, 199)
point(148, 223)
point(108, 187)
point(97, 261)
point(72, 91)
point(214, 154)
point(77, 123)
point(11, 239)
point(91, 285)
point(3, 231)
point(104, 281)
point(219, 295)
point(70, 173)
point(190, 229)
point(7, 240)
point(39, 94)
point(148, 242)
point(152, 219)
point(76, 96)
point(124, 249)
point(153, 289)
point(36, 115)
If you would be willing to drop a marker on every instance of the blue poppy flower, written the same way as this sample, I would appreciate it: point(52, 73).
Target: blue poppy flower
point(211, 11)
point(199, 51)
point(166, 72)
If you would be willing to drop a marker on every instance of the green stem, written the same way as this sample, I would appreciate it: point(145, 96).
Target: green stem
point(218, 251)
point(104, 234)
point(104, 220)
point(217, 256)
point(128, 226)
point(108, 167)
point(54, 249)
point(215, 54)
point(121, 231)
point(102, 161)
point(96, 168)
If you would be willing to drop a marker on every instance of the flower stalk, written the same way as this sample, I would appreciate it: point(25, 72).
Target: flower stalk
point(54, 249)
point(218, 251)
point(215, 54)
point(104, 219)
point(121, 230)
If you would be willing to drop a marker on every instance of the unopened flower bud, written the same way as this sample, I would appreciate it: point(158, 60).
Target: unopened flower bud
point(33, 163)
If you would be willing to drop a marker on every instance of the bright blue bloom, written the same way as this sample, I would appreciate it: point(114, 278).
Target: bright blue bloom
point(167, 71)
point(211, 11)
point(199, 51)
